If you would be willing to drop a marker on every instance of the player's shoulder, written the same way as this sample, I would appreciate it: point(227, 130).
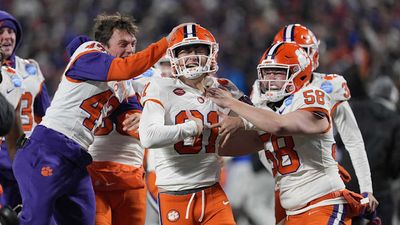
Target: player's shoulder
point(88, 47)
point(158, 88)
point(161, 82)
point(310, 96)
point(10, 74)
point(307, 89)
point(319, 78)
point(333, 84)
point(8, 70)
point(28, 68)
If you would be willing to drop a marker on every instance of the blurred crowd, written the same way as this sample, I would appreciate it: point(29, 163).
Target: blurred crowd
point(357, 36)
point(359, 39)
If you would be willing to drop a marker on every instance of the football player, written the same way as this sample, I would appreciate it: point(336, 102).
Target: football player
point(342, 115)
point(117, 170)
point(51, 167)
point(294, 128)
point(176, 114)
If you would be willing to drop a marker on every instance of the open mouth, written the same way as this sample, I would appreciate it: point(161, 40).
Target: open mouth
point(6, 44)
point(192, 65)
point(6, 47)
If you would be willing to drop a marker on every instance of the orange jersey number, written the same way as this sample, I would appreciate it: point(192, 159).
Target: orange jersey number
point(26, 111)
point(212, 118)
point(346, 90)
point(93, 107)
point(96, 45)
point(107, 125)
point(310, 96)
point(284, 158)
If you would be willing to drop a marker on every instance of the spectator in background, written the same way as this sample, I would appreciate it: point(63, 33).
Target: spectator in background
point(34, 100)
point(240, 26)
point(380, 127)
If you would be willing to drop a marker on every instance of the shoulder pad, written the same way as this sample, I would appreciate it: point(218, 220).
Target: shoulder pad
point(335, 85)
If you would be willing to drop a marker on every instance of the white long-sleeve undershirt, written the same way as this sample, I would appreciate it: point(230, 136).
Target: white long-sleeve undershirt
point(350, 134)
point(155, 134)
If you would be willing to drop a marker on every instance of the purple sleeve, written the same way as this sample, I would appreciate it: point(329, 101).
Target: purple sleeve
point(91, 66)
point(131, 104)
point(42, 102)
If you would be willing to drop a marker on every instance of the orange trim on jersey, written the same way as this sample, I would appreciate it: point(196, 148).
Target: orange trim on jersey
point(37, 119)
point(72, 80)
point(326, 112)
point(331, 195)
point(40, 88)
point(333, 110)
point(153, 100)
point(136, 64)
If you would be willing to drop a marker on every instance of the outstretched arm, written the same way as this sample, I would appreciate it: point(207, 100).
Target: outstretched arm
point(240, 143)
point(297, 122)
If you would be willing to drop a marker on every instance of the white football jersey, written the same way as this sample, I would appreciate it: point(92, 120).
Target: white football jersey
point(11, 85)
point(334, 85)
point(110, 145)
point(124, 149)
point(193, 162)
point(32, 79)
point(303, 165)
point(78, 107)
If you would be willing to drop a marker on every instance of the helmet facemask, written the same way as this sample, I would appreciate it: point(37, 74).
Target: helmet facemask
point(192, 66)
point(273, 89)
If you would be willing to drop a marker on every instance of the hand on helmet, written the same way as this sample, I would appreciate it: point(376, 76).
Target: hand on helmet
point(171, 34)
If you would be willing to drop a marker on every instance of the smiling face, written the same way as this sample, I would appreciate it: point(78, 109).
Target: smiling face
point(7, 41)
point(121, 44)
point(192, 56)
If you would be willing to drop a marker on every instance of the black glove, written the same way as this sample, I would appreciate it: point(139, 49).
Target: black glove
point(8, 216)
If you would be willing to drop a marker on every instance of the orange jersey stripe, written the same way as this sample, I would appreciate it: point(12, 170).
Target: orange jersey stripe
point(153, 100)
point(72, 80)
point(333, 110)
point(136, 64)
point(324, 111)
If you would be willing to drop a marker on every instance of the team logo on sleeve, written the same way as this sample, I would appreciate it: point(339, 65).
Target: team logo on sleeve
point(31, 69)
point(179, 91)
point(16, 81)
point(327, 87)
point(288, 101)
point(173, 215)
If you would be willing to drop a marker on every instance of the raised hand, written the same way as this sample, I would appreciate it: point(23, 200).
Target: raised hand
point(131, 122)
point(373, 203)
point(228, 125)
point(173, 31)
point(220, 97)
